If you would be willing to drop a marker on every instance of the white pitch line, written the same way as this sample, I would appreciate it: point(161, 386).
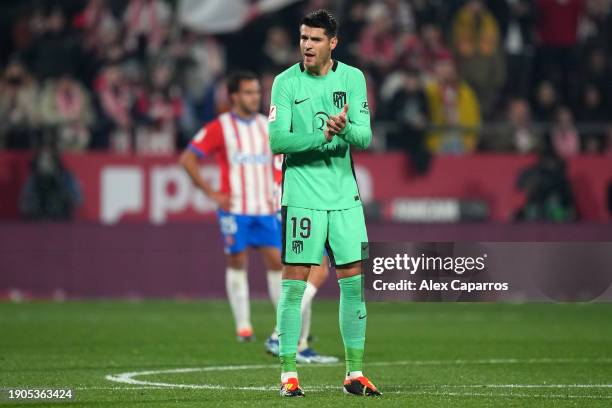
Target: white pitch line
point(428, 393)
point(375, 363)
point(128, 378)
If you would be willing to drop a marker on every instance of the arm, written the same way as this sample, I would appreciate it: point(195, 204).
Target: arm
point(282, 139)
point(357, 131)
point(189, 161)
point(207, 140)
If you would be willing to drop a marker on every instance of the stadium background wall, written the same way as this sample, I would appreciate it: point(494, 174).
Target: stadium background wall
point(185, 260)
point(126, 188)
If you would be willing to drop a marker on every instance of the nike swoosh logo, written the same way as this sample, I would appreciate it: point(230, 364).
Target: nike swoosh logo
point(362, 317)
point(298, 102)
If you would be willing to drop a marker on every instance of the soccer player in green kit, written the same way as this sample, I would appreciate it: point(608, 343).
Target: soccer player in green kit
point(319, 110)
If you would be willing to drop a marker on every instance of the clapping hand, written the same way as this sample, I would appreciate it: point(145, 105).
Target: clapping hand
point(336, 123)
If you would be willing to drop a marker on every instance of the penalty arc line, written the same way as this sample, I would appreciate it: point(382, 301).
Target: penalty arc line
point(128, 378)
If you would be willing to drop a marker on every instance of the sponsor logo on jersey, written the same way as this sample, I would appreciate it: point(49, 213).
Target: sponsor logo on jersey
point(339, 98)
point(365, 108)
point(319, 120)
point(245, 158)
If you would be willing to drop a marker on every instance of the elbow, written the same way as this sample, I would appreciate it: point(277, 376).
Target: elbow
point(368, 139)
point(275, 145)
point(187, 158)
point(365, 141)
point(183, 159)
point(276, 150)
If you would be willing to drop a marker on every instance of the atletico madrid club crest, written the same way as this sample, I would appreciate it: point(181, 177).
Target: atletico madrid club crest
point(297, 246)
point(339, 99)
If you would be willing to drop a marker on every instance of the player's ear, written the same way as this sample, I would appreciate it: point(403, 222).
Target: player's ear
point(232, 97)
point(333, 42)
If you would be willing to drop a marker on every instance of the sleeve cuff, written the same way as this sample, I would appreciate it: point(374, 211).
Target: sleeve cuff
point(324, 140)
point(346, 129)
point(197, 151)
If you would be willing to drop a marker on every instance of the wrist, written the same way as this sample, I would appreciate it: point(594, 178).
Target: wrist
point(324, 138)
point(346, 129)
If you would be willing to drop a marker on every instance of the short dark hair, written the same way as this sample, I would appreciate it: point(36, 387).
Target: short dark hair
point(321, 19)
point(235, 78)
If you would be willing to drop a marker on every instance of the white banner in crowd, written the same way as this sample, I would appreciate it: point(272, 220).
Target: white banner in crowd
point(223, 16)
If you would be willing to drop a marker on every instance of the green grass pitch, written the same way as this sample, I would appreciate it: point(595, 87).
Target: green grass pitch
point(418, 354)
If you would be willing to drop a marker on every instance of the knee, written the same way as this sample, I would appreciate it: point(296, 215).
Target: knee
point(275, 265)
point(237, 261)
point(296, 272)
point(346, 271)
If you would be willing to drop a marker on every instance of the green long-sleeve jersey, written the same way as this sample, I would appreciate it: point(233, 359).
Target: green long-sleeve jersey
point(318, 174)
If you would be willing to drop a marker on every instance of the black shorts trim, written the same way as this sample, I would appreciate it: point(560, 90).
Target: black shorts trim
point(348, 263)
point(330, 253)
point(300, 264)
point(283, 233)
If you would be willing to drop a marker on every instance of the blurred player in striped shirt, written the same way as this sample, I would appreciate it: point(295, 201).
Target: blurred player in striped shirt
point(248, 202)
point(247, 215)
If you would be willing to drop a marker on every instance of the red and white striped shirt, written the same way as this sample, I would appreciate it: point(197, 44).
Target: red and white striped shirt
point(278, 180)
point(243, 152)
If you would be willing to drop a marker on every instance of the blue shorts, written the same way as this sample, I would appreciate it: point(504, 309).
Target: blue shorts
point(240, 231)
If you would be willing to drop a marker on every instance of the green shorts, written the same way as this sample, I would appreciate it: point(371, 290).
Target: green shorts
point(306, 232)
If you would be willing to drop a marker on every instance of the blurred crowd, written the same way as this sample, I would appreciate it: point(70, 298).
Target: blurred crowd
point(444, 76)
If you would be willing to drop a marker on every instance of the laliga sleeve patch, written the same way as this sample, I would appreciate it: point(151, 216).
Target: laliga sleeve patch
point(272, 115)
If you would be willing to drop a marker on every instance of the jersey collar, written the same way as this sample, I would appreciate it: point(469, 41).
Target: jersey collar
point(243, 120)
point(333, 68)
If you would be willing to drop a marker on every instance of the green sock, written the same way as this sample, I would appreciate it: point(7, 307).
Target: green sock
point(289, 321)
point(352, 321)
